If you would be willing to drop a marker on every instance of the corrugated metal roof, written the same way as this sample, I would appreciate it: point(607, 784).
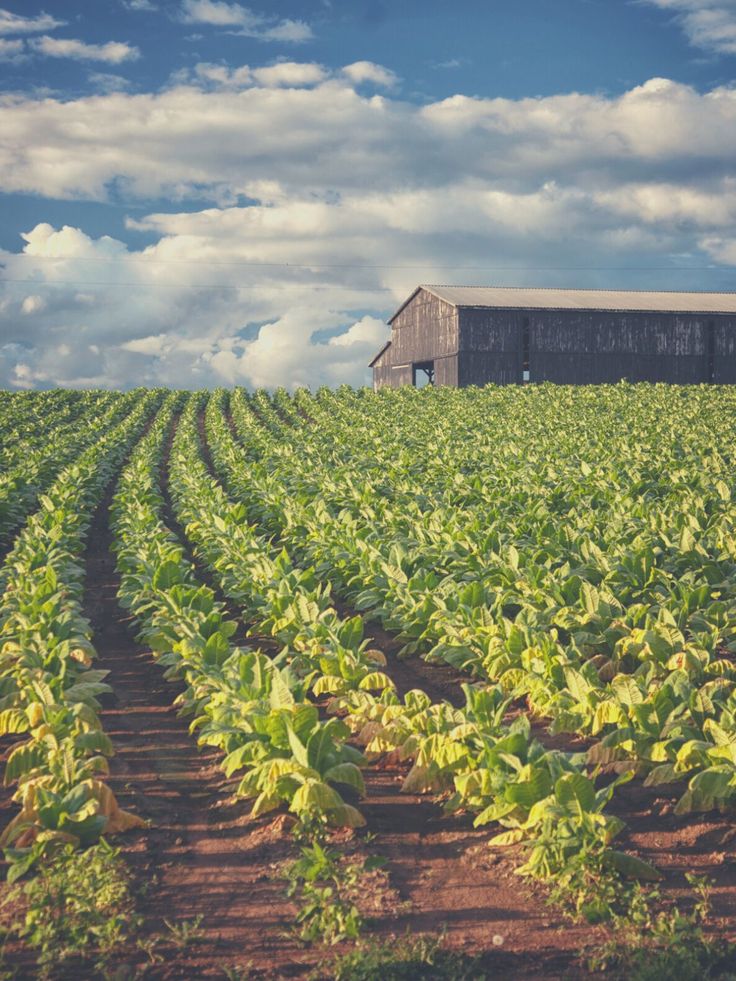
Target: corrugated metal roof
point(563, 299)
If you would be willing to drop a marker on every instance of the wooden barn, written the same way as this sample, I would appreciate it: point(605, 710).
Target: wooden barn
point(476, 335)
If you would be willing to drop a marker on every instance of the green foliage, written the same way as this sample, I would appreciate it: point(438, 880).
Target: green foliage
point(649, 945)
point(568, 544)
point(42, 433)
point(48, 688)
point(78, 908)
point(407, 958)
point(327, 887)
point(185, 933)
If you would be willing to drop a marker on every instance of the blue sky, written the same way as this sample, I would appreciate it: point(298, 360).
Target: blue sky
point(205, 192)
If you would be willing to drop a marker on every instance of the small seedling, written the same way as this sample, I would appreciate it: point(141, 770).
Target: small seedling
point(186, 932)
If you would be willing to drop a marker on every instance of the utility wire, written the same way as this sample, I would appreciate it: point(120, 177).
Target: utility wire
point(354, 265)
point(200, 286)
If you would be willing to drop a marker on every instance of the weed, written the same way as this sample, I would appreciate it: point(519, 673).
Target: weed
point(406, 958)
point(77, 903)
point(239, 972)
point(649, 946)
point(149, 946)
point(186, 932)
point(327, 888)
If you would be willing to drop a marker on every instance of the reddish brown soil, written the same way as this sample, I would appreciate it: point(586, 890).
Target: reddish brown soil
point(202, 856)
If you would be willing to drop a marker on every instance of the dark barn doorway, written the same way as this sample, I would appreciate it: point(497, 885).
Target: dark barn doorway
point(710, 353)
point(422, 374)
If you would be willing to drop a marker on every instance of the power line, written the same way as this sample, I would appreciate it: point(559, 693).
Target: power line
point(201, 286)
point(356, 265)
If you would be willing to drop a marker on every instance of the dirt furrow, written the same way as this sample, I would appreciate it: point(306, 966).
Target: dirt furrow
point(202, 855)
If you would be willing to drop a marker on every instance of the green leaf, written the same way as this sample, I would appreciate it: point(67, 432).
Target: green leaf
point(632, 867)
point(348, 774)
point(280, 695)
point(626, 689)
point(168, 574)
point(23, 760)
point(13, 721)
point(507, 838)
point(573, 790)
point(297, 747)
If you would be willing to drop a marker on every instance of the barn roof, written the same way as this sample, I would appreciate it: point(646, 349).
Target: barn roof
point(544, 298)
point(385, 347)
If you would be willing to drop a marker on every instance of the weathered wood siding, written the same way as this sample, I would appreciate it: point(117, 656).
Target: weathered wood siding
point(446, 371)
point(382, 370)
point(490, 345)
point(489, 368)
point(594, 347)
point(427, 328)
point(724, 361)
point(482, 345)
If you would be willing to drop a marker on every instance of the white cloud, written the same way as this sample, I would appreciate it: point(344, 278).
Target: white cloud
point(32, 304)
point(11, 23)
point(285, 350)
point(153, 344)
point(289, 31)
point(11, 50)
point(106, 82)
point(709, 24)
point(369, 71)
point(328, 139)
point(328, 206)
point(289, 74)
point(217, 13)
point(113, 52)
point(283, 74)
point(68, 243)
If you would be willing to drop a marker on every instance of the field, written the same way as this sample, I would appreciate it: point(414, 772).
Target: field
point(413, 684)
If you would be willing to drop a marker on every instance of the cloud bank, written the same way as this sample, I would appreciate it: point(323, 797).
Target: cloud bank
point(327, 198)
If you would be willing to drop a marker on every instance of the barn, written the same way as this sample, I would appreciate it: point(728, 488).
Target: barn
point(476, 335)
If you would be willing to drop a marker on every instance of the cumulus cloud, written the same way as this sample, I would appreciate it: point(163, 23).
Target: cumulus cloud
point(286, 74)
point(709, 24)
point(11, 50)
point(11, 23)
point(32, 304)
point(108, 82)
point(328, 138)
point(166, 331)
point(113, 52)
point(327, 206)
point(218, 13)
point(369, 71)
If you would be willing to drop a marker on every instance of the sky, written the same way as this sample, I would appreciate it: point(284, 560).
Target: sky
point(201, 192)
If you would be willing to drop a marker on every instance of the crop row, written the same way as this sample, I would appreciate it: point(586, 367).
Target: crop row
point(33, 463)
point(48, 685)
point(495, 770)
point(597, 581)
point(253, 708)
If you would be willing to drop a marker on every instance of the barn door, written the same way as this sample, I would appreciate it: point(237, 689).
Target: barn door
point(526, 374)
